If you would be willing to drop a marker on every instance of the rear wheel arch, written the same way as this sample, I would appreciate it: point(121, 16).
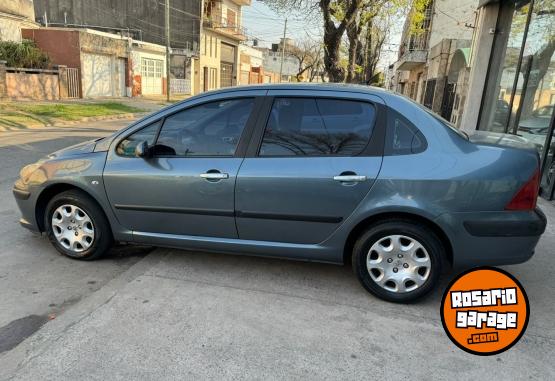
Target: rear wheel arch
point(51, 191)
point(363, 225)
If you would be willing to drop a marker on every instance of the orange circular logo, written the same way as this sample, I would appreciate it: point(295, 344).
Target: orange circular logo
point(485, 311)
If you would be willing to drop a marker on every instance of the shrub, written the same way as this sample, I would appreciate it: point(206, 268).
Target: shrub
point(23, 54)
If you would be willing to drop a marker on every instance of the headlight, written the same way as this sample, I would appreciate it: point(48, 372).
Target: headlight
point(28, 170)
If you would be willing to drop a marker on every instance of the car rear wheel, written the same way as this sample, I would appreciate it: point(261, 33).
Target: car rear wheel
point(398, 260)
point(77, 226)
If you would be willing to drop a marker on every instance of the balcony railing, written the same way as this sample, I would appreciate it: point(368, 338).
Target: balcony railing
point(219, 22)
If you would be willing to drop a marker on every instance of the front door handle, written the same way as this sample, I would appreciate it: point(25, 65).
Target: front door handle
point(214, 176)
point(349, 178)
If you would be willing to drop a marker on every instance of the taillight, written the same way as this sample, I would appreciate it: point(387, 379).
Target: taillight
point(527, 196)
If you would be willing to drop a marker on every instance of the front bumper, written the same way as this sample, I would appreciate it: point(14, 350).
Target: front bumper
point(493, 238)
point(26, 204)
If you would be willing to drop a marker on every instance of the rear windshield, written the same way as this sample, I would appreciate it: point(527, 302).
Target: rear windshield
point(450, 127)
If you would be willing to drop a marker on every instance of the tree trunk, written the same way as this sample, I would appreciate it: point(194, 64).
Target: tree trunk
point(332, 39)
point(540, 63)
point(352, 36)
point(368, 54)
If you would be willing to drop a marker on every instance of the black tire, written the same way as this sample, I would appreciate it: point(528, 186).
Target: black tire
point(377, 232)
point(102, 241)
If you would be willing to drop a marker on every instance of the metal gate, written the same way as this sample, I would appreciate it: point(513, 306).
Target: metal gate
point(226, 75)
point(151, 76)
point(448, 100)
point(429, 93)
point(72, 82)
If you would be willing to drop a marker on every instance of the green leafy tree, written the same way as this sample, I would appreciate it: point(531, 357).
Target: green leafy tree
point(337, 15)
point(364, 22)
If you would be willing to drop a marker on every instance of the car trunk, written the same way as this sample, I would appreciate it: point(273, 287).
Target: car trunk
point(501, 140)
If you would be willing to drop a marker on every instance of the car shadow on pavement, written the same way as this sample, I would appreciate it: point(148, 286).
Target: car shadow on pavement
point(326, 283)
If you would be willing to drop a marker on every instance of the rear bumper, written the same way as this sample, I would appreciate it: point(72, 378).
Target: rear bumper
point(493, 238)
point(529, 226)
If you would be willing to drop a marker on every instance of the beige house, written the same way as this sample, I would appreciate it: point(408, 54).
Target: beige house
point(14, 16)
point(250, 65)
point(221, 34)
point(433, 63)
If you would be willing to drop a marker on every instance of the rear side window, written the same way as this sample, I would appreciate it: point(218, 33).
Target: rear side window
point(403, 138)
point(317, 127)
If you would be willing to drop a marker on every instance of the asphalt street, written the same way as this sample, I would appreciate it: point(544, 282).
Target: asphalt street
point(145, 313)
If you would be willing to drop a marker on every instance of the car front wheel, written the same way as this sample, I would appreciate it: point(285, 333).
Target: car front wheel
point(398, 260)
point(77, 226)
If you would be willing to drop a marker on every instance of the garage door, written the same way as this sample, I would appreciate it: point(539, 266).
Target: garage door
point(151, 76)
point(98, 74)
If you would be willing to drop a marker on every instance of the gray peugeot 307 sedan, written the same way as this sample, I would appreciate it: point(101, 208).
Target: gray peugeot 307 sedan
point(325, 173)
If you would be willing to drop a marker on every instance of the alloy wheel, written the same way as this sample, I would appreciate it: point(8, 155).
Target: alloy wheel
point(73, 228)
point(398, 263)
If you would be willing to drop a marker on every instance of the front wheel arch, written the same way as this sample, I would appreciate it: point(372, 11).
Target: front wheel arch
point(361, 227)
point(48, 193)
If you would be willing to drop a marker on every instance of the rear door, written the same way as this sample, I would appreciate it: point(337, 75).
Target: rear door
point(310, 163)
point(187, 186)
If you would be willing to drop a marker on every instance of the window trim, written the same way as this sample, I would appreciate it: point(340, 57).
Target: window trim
point(374, 146)
point(244, 139)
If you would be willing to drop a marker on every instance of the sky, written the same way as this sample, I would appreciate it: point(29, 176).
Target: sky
point(266, 26)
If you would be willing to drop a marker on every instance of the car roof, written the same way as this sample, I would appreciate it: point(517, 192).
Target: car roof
point(342, 87)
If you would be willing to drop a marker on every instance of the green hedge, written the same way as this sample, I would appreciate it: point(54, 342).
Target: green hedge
point(23, 54)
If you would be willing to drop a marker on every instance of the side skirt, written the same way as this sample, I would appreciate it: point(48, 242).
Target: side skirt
point(310, 253)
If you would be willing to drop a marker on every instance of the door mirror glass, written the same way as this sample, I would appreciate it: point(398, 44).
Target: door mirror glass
point(142, 149)
point(128, 146)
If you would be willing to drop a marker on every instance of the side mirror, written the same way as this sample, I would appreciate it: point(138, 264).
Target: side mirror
point(142, 150)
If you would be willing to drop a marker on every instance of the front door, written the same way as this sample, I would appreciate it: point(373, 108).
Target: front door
point(313, 167)
point(187, 186)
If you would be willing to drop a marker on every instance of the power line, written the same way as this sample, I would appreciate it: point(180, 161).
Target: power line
point(463, 23)
point(181, 11)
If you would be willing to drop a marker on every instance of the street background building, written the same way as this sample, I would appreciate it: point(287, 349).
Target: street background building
point(480, 64)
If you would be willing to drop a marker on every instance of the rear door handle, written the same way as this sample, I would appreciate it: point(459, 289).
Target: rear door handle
point(214, 176)
point(349, 178)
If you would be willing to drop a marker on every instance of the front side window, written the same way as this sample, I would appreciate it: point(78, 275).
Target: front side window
point(148, 134)
point(317, 127)
point(210, 129)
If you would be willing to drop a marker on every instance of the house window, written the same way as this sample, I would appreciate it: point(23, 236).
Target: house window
point(213, 77)
point(231, 18)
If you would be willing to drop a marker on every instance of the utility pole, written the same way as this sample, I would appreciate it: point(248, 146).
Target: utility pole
point(168, 50)
point(282, 50)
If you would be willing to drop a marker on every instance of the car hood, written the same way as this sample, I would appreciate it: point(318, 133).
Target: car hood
point(501, 140)
point(77, 149)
